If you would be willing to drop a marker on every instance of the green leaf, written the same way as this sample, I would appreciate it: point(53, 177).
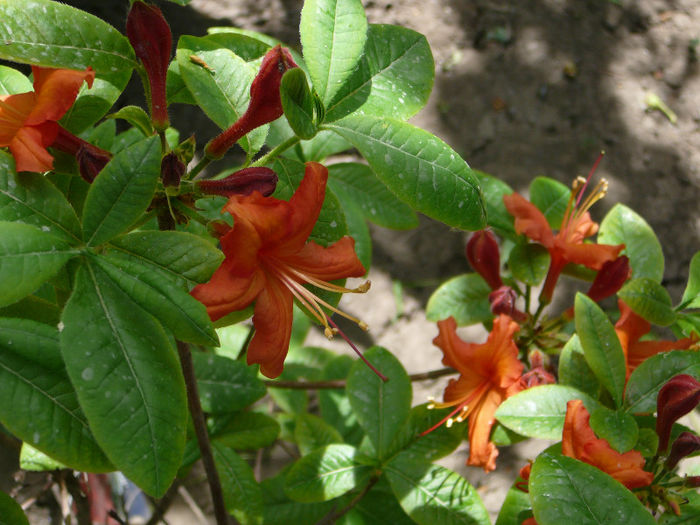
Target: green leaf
point(394, 77)
point(222, 89)
point(121, 192)
point(432, 494)
point(497, 215)
point(356, 183)
point(32, 199)
point(13, 82)
point(182, 256)
point(529, 262)
point(28, 257)
point(648, 299)
point(312, 432)
point(279, 509)
point(516, 503)
point(334, 404)
point(242, 494)
point(539, 412)
point(690, 511)
point(333, 35)
point(619, 429)
point(174, 308)
point(326, 473)
point(434, 445)
point(574, 370)
point(32, 459)
point(225, 385)
point(550, 197)
point(647, 379)
point(465, 297)
point(358, 230)
point(623, 226)
point(247, 431)
point(381, 407)
point(379, 505)
point(44, 408)
point(128, 379)
point(11, 512)
point(135, 116)
point(691, 295)
point(298, 103)
point(601, 347)
point(565, 490)
point(51, 34)
point(418, 167)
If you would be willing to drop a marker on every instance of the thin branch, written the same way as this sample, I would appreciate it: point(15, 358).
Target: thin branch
point(163, 504)
point(333, 516)
point(80, 499)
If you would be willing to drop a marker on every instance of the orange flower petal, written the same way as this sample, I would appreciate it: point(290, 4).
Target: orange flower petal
point(483, 453)
point(455, 351)
point(29, 147)
point(14, 110)
point(56, 91)
point(529, 219)
point(267, 216)
point(336, 261)
point(644, 349)
point(590, 255)
point(306, 204)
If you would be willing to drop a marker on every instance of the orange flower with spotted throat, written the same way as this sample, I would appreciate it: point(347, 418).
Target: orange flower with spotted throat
point(29, 121)
point(489, 373)
point(268, 261)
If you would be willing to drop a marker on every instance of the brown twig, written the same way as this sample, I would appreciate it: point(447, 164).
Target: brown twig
point(163, 504)
point(80, 499)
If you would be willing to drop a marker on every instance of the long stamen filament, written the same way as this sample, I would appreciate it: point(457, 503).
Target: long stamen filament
point(330, 286)
point(599, 191)
point(357, 351)
point(590, 174)
point(461, 407)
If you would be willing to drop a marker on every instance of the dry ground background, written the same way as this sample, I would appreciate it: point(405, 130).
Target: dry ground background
point(527, 88)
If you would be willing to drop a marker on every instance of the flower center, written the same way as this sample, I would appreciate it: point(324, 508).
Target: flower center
point(575, 208)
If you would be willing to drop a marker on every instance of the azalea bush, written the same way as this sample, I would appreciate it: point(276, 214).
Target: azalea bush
point(157, 288)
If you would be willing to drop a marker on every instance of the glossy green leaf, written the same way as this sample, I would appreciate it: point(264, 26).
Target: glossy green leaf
point(122, 191)
point(381, 407)
point(33, 459)
point(358, 230)
point(418, 167)
point(175, 88)
point(247, 431)
point(648, 299)
point(180, 255)
point(432, 494)
point(11, 512)
point(514, 507)
point(222, 88)
point(574, 370)
point(333, 35)
point(225, 385)
point(128, 379)
point(393, 78)
point(647, 379)
point(246, 44)
point(28, 257)
point(619, 429)
point(601, 347)
point(298, 103)
point(34, 308)
point(311, 432)
point(137, 117)
point(565, 490)
point(465, 297)
point(52, 34)
point(172, 305)
point(432, 446)
point(356, 183)
point(32, 199)
point(326, 473)
point(242, 494)
point(623, 226)
point(379, 505)
point(550, 197)
point(539, 412)
point(334, 404)
point(279, 509)
point(497, 215)
point(691, 294)
point(44, 408)
point(13, 81)
point(529, 262)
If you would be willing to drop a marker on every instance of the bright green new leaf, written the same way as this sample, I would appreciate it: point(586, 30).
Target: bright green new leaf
point(550, 197)
point(565, 490)
point(648, 299)
point(418, 167)
point(601, 347)
point(12, 82)
point(691, 295)
point(11, 512)
point(33, 459)
point(298, 104)
point(122, 191)
point(128, 379)
point(135, 116)
point(28, 257)
point(619, 429)
point(529, 262)
point(44, 410)
point(574, 370)
point(333, 35)
point(242, 494)
point(623, 226)
point(465, 297)
point(381, 407)
point(311, 432)
point(51, 34)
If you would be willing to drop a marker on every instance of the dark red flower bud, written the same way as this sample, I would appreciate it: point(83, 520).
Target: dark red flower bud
point(684, 445)
point(610, 278)
point(524, 474)
point(265, 102)
point(171, 170)
point(242, 182)
point(150, 36)
point(677, 397)
point(692, 481)
point(503, 302)
point(483, 255)
point(91, 160)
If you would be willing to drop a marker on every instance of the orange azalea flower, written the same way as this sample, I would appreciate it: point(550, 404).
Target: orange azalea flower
point(489, 373)
point(28, 121)
point(580, 442)
point(269, 259)
point(631, 327)
point(566, 246)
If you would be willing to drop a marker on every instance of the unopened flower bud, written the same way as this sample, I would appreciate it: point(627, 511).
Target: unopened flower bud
point(242, 182)
point(684, 445)
point(265, 102)
point(677, 397)
point(91, 160)
point(692, 481)
point(483, 255)
point(171, 170)
point(610, 278)
point(503, 302)
point(150, 36)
